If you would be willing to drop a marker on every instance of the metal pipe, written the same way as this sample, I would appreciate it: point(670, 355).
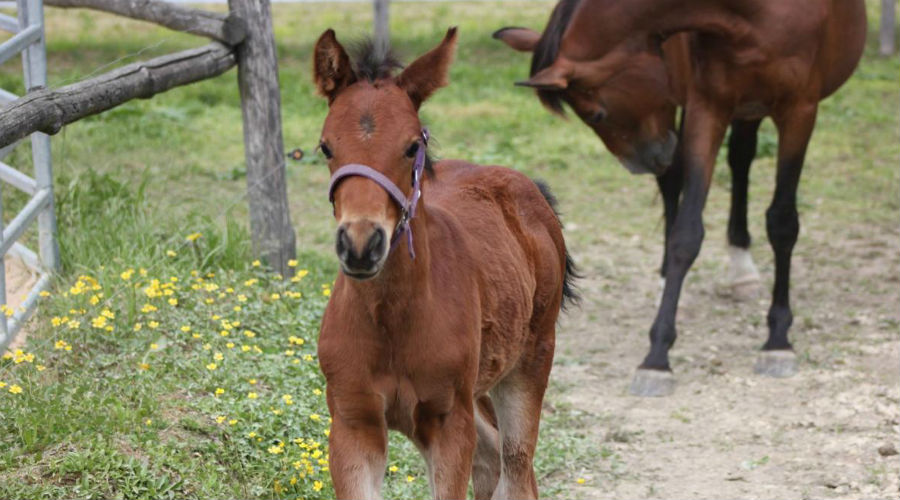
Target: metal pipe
point(17, 179)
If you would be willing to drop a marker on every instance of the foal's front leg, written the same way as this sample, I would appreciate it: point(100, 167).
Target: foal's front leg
point(357, 447)
point(448, 444)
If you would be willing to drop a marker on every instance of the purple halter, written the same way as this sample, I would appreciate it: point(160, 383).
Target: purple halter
point(407, 205)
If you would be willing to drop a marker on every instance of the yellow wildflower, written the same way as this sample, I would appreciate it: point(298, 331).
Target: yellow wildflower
point(15, 389)
point(252, 395)
point(219, 391)
point(193, 236)
point(211, 366)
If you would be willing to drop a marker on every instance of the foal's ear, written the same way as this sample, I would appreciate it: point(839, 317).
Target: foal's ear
point(521, 39)
point(429, 72)
point(554, 77)
point(331, 66)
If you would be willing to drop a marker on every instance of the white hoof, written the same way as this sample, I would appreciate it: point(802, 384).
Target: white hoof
point(743, 277)
point(652, 383)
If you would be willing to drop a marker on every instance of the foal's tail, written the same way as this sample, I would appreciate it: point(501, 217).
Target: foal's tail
point(570, 291)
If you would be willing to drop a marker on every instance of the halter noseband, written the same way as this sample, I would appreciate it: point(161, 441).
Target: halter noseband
point(407, 205)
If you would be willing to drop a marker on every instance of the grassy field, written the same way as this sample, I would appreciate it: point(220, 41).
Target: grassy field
point(167, 364)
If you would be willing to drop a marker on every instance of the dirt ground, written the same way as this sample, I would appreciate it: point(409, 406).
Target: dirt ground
point(726, 432)
point(19, 280)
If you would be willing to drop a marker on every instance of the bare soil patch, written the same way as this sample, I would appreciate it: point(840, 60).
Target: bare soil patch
point(727, 432)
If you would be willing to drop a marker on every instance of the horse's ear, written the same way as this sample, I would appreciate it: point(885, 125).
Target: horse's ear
point(429, 72)
point(553, 77)
point(331, 66)
point(521, 39)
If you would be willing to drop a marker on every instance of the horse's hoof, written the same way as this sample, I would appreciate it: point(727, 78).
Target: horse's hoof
point(778, 364)
point(652, 383)
point(746, 289)
point(743, 278)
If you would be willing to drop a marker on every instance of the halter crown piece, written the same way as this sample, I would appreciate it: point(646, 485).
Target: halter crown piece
point(407, 205)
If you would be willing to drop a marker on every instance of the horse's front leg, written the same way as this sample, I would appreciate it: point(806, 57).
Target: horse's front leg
point(795, 126)
point(447, 442)
point(704, 128)
point(357, 446)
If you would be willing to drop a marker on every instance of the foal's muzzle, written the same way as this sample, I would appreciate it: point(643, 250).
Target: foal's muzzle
point(362, 248)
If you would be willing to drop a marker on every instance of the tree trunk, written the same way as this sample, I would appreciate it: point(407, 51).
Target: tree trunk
point(270, 221)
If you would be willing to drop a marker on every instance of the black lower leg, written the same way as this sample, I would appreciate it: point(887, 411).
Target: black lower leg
point(670, 187)
point(683, 246)
point(783, 226)
point(741, 151)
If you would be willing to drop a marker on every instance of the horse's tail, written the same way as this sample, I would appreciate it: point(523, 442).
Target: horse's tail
point(570, 291)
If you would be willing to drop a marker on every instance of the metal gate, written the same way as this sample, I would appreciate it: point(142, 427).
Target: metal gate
point(27, 39)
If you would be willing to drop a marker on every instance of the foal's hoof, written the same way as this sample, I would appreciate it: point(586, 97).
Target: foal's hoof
point(652, 383)
point(779, 364)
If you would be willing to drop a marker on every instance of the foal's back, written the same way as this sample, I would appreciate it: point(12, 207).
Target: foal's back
point(507, 234)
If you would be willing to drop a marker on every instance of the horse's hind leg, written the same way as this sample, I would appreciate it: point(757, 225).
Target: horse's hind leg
point(783, 224)
point(743, 278)
point(517, 399)
point(486, 465)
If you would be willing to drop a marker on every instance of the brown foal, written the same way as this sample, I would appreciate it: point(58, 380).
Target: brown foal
point(623, 65)
point(442, 327)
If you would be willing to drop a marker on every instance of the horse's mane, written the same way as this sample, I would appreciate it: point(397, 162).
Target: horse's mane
point(373, 61)
point(547, 49)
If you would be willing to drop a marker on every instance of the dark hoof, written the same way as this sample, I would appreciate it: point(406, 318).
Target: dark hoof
point(778, 364)
point(652, 383)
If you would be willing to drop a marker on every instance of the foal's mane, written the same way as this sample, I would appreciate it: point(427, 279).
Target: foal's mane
point(547, 49)
point(374, 61)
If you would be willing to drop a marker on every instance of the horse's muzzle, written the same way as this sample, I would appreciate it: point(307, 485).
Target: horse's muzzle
point(652, 157)
point(361, 252)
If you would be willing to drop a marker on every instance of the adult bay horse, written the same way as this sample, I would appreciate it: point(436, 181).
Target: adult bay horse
point(623, 65)
point(442, 322)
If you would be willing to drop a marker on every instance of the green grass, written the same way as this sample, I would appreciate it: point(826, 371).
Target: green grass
point(134, 182)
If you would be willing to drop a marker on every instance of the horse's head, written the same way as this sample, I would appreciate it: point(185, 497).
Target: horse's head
point(623, 96)
point(373, 122)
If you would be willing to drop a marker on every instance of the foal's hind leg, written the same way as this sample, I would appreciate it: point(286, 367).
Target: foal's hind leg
point(486, 464)
point(517, 399)
point(783, 224)
point(743, 278)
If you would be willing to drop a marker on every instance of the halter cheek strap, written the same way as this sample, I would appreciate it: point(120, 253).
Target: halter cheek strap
point(407, 205)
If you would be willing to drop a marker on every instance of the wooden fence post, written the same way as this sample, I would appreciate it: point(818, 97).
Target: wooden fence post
point(382, 23)
point(888, 22)
point(270, 221)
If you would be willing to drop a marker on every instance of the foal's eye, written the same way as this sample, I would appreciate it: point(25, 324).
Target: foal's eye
point(412, 150)
point(325, 151)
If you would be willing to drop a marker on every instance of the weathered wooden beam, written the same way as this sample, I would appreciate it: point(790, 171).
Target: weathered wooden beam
point(230, 30)
point(270, 220)
point(888, 24)
point(47, 111)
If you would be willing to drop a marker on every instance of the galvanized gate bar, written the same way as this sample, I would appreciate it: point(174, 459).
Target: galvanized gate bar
point(9, 24)
point(17, 179)
point(29, 40)
point(19, 42)
point(7, 96)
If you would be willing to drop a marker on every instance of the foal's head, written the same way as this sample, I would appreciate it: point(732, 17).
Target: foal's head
point(373, 121)
point(624, 97)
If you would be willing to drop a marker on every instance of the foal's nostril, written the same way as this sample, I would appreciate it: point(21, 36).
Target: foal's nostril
point(375, 246)
point(342, 244)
